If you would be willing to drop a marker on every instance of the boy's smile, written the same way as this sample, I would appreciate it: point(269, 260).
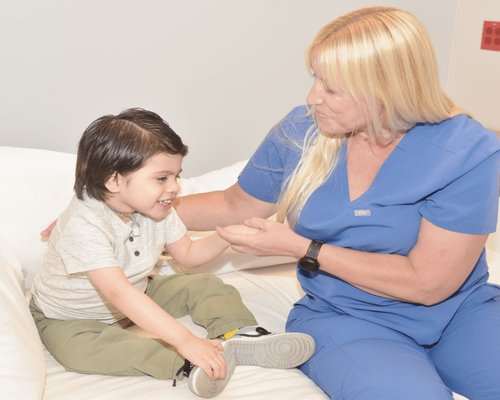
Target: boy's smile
point(150, 190)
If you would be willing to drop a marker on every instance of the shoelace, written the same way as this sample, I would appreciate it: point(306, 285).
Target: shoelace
point(260, 332)
point(185, 369)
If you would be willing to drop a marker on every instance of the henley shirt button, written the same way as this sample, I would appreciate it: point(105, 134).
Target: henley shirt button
point(131, 238)
point(137, 253)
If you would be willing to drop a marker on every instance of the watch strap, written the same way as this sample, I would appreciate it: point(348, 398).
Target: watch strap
point(314, 248)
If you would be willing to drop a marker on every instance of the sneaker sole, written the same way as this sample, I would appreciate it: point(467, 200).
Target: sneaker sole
point(285, 350)
point(201, 385)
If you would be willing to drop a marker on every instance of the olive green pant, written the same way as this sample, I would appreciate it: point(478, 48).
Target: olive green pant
point(93, 347)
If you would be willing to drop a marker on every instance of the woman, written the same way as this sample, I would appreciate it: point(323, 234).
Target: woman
point(402, 187)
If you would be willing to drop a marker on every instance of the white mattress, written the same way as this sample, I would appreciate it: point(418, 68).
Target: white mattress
point(268, 292)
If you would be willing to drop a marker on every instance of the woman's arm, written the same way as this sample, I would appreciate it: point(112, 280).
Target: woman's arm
point(434, 269)
point(203, 212)
point(143, 311)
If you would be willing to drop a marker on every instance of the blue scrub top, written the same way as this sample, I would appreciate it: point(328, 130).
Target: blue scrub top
point(447, 173)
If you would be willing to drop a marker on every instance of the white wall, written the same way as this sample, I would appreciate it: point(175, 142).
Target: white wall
point(221, 72)
point(474, 75)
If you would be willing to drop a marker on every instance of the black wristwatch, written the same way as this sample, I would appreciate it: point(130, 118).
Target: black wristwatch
point(310, 261)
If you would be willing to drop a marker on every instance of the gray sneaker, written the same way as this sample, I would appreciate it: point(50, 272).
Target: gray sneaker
point(254, 346)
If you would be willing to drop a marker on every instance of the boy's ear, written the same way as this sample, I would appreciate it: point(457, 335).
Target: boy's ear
point(114, 183)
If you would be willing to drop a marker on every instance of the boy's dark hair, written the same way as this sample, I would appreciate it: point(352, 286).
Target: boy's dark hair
point(121, 144)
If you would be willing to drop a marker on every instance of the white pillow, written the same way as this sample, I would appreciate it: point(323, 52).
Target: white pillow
point(37, 186)
point(215, 180)
point(22, 361)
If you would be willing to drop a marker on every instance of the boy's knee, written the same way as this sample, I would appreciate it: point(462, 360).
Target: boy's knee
point(207, 280)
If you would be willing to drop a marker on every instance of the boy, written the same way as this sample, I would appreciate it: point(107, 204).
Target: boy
point(94, 280)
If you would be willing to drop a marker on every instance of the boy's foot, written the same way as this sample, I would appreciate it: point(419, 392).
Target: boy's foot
point(254, 346)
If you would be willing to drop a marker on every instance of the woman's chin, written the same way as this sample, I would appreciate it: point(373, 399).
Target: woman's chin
point(334, 134)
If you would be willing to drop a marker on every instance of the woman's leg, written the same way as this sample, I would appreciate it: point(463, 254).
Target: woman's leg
point(359, 360)
point(468, 355)
point(210, 302)
point(91, 347)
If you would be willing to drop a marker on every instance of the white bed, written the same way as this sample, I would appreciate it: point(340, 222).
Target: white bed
point(36, 186)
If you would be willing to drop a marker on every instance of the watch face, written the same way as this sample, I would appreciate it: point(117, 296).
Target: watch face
point(309, 264)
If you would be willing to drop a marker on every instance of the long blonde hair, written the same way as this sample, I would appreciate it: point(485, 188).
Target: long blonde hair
point(386, 61)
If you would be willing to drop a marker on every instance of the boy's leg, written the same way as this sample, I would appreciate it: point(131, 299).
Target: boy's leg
point(92, 347)
point(468, 355)
point(218, 307)
point(210, 302)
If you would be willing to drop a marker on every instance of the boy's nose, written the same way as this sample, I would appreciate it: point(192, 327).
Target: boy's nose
point(174, 187)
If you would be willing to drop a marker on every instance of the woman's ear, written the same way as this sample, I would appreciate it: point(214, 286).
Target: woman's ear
point(114, 183)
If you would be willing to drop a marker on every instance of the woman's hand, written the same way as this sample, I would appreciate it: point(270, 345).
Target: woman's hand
point(47, 232)
point(266, 238)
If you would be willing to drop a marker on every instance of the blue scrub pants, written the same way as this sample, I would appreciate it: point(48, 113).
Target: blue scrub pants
point(360, 360)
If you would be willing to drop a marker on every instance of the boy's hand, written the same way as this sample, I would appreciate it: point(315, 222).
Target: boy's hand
point(205, 353)
point(241, 229)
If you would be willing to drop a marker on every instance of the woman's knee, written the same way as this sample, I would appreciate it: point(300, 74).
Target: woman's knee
point(375, 369)
point(467, 356)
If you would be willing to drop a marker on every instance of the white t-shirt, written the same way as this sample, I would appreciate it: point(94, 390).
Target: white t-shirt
point(89, 236)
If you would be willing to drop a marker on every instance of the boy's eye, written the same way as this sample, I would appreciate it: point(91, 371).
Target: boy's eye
point(164, 178)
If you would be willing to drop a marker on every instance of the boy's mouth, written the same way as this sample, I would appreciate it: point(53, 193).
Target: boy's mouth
point(165, 202)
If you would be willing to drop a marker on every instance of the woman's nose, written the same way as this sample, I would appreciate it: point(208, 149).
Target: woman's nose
point(314, 96)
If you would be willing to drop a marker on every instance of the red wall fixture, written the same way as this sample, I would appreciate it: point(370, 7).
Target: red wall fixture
point(491, 36)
